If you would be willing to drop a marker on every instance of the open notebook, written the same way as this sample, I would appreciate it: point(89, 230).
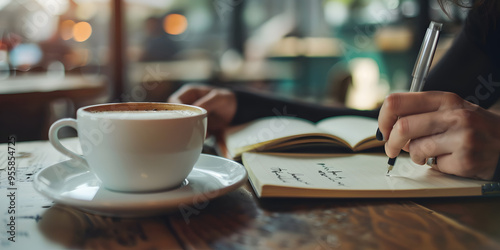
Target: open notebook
point(280, 134)
point(353, 175)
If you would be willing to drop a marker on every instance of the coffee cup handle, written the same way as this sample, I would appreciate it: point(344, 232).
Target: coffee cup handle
point(54, 139)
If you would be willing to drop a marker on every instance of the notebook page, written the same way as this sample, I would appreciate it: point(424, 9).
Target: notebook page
point(266, 129)
point(352, 129)
point(352, 172)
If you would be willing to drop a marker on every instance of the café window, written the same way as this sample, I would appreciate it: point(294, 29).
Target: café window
point(342, 53)
point(54, 37)
point(53, 58)
point(169, 43)
point(63, 54)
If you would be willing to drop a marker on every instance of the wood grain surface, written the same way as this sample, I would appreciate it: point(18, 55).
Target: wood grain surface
point(238, 220)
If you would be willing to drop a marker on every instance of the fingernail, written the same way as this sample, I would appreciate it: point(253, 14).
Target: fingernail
point(379, 135)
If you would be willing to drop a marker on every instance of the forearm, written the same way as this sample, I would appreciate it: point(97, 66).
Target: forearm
point(466, 71)
point(471, 67)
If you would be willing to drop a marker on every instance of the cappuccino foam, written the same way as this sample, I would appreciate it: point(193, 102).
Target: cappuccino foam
point(145, 114)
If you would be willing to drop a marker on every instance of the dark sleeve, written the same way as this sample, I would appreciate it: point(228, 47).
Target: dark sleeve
point(252, 105)
point(471, 67)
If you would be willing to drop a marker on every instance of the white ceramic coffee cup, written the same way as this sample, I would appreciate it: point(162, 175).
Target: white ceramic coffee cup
point(137, 147)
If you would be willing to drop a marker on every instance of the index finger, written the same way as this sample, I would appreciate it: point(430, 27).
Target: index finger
point(404, 104)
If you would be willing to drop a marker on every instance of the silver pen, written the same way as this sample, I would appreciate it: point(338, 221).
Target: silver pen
point(422, 66)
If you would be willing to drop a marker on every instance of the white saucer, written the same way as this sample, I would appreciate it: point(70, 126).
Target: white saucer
point(74, 185)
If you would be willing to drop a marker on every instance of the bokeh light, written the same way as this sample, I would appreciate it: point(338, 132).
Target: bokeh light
point(175, 24)
point(86, 10)
point(82, 31)
point(27, 54)
point(67, 29)
point(56, 69)
point(54, 8)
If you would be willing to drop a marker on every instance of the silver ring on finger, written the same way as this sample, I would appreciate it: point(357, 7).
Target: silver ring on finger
point(431, 161)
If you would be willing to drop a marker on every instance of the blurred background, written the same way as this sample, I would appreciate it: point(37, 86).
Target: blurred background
point(59, 55)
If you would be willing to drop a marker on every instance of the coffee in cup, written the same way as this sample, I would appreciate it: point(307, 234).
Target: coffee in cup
point(137, 147)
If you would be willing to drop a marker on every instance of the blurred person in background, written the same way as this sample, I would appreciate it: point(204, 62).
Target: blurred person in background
point(449, 121)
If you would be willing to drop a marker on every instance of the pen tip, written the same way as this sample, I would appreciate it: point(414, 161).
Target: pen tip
point(389, 169)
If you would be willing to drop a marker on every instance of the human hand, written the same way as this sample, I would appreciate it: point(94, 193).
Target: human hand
point(220, 103)
point(463, 137)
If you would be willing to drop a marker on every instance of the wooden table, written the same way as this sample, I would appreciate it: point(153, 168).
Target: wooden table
point(238, 220)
